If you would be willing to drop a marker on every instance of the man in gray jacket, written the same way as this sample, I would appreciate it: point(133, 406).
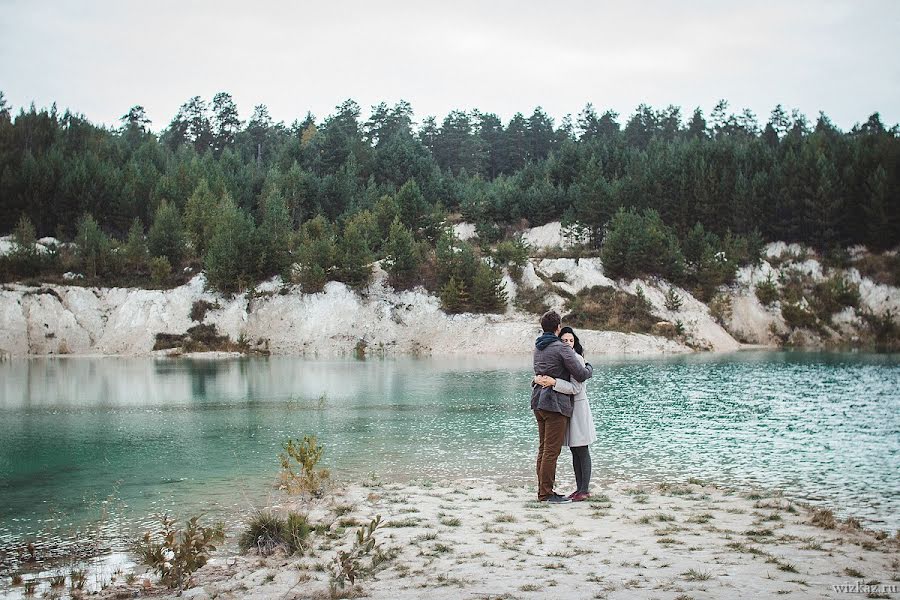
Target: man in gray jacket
point(552, 409)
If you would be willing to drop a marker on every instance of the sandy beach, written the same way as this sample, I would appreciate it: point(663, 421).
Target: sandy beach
point(475, 539)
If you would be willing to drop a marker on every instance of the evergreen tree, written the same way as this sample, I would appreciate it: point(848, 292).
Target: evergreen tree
point(166, 236)
point(135, 245)
point(355, 262)
point(274, 235)
point(641, 244)
point(403, 258)
point(230, 260)
point(94, 247)
point(200, 217)
point(316, 254)
point(488, 290)
point(454, 297)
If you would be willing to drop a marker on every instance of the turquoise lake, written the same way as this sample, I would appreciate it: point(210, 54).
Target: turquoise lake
point(100, 445)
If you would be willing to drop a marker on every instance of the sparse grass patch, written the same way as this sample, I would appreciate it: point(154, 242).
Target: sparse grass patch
point(451, 522)
point(744, 549)
point(758, 532)
point(505, 519)
point(787, 567)
point(266, 531)
point(704, 518)
point(851, 572)
point(674, 490)
point(599, 499)
point(694, 575)
point(407, 522)
point(530, 587)
point(667, 541)
point(823, 518)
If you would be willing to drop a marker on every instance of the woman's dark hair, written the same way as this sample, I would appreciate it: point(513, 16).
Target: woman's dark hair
point(578, 349)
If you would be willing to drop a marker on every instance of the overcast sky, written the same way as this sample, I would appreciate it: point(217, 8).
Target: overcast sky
point(100, 57)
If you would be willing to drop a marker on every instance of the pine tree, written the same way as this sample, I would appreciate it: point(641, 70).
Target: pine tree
point(93, 246)
point(403, 259)
point(454, 297)
point(355, 264)
point(488, 290)
point(200, 217)
point(135, 245)
point(316, 254)
point(166, 237)
point(274, 236)
point(230, 261)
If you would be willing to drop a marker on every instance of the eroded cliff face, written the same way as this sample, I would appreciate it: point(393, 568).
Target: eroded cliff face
point(282, 320)
point(54, 319)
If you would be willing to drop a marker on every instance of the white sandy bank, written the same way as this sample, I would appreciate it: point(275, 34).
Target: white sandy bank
point(477, 540)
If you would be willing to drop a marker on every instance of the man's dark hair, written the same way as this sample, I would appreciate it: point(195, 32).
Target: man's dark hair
point(550, 321)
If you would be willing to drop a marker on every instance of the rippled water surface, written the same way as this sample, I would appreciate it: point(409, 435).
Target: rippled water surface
point(101, 444)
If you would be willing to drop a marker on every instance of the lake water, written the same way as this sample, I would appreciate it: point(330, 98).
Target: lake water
point(91, 448)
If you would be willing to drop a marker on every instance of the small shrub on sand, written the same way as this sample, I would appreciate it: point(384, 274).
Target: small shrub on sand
point(347, 564)
point(175, 554)
point(306, 455)
point(823, 518)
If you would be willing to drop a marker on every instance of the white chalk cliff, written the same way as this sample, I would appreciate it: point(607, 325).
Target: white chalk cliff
point(55, 319)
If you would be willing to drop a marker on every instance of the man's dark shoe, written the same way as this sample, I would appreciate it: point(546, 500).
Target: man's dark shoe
point(556, 499)
point(579, 496)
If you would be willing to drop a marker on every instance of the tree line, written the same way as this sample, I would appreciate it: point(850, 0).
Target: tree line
point(248, 199)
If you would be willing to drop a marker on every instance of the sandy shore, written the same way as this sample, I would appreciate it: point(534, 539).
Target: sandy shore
point(472, 539)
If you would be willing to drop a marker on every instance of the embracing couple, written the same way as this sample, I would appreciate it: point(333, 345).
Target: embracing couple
point(560, 406)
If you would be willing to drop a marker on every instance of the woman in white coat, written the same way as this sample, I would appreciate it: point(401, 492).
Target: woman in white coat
point(581, 431)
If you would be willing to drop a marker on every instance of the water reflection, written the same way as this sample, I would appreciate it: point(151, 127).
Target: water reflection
point(154, 435)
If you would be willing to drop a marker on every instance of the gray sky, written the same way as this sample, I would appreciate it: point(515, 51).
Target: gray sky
point(100, 57)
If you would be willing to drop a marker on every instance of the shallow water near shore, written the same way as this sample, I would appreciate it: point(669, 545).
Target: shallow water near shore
point(92, 448)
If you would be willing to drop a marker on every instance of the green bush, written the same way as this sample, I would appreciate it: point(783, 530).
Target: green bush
point(533, 300)
point(798, 317)
point(720, 308)
point(512, 254)
point(880, 268)
point(767, 291)
point(160, 270)
point(833, 295)
point(884, 329)
point(638, 244)
point(608, 309)
point(673, 300)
